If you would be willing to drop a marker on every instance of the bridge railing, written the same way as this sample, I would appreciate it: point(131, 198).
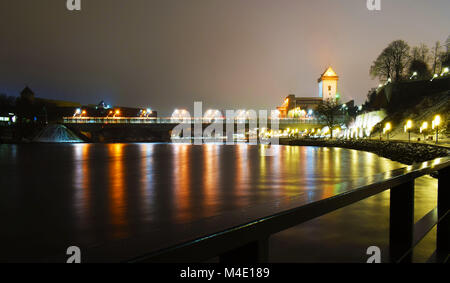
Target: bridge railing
point(245, 240)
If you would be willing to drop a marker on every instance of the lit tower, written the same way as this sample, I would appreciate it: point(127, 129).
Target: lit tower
point(328, 84)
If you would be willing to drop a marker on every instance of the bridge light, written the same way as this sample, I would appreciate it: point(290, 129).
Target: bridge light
point(77, 112)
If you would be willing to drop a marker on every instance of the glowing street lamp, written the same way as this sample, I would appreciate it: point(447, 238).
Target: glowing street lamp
point(423, 128)
point(434, 76)
point(408, 127)
point(116, 113)
point(387, 129)
point(413, 75)
point(435, 124)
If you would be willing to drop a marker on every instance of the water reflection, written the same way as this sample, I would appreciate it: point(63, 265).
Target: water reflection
point(202, 181)
point(117, 190)
point(181, 182)
point(211, 177)
point(147, 182)
point(102, 191)
point(82, 185)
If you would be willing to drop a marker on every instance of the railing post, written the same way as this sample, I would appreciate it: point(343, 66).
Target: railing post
point(443, 227)
point(253, 252)
point(401, 222)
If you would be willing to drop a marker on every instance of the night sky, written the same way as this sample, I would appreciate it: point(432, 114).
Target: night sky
point(229, 54)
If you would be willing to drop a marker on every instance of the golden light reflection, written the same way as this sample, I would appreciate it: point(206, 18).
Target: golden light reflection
point(82, 183)
point(117, 201)
point(147, 185)
point(242, 171)
point(182, 181)
point(211, 177)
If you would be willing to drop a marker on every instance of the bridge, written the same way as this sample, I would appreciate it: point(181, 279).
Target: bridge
point(160, 129)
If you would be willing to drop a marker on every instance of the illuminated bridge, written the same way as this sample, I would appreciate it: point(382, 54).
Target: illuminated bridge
point(154, 120)
point(152, 128)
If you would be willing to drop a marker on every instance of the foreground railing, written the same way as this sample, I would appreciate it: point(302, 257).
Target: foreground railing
point(242, 236)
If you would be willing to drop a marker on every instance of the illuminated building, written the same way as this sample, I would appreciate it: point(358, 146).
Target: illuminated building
point(299, 107)
point(328, 84)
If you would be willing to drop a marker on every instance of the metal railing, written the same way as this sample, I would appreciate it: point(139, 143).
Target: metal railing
point(241, 240)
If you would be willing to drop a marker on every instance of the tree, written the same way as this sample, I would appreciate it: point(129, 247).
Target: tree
point(328, 111)
point(421, 52)
point(391, 63)
point(436, 54)
point(419, 66)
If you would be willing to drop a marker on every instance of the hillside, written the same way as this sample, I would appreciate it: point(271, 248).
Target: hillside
point(424, 109)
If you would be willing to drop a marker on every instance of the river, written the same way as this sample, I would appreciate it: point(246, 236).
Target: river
point(55, 195)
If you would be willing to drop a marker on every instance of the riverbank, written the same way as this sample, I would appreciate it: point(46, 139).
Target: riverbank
point(403, 152)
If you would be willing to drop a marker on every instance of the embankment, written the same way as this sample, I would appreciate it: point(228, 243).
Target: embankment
point(403, 152)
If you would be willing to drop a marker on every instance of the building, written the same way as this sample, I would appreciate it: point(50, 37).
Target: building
point(328, 84)
point(297, 107)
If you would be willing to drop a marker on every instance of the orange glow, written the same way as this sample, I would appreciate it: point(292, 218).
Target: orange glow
point(117, 190)
point(211, 177)
point(82, 184)
point(182, 183)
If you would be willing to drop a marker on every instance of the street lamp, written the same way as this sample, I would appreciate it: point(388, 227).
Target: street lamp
point(435, 124)
point(116, 113)
point(423, 128)
point(413, 75)
point(408, 127)
point(387, 129)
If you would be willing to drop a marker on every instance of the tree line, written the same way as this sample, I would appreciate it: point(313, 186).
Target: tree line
point(398, 61)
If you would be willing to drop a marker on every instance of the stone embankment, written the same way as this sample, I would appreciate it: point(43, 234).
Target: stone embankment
point(404, 152)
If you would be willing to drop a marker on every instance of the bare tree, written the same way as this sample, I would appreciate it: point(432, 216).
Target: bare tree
point(436, 56)
point(421, 52)
point(391, 63)
point(328, 111)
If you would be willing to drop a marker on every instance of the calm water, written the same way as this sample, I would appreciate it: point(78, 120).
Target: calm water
point(56, 195)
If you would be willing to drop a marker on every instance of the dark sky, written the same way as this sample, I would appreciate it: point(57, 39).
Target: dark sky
point(229, 54)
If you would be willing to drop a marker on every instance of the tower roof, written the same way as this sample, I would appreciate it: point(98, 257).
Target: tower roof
point(328, 74)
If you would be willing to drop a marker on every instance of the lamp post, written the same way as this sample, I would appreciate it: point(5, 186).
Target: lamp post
point(435, 124)
point(408, 127)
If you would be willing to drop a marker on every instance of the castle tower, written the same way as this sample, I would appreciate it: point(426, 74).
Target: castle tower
point(328, 84)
